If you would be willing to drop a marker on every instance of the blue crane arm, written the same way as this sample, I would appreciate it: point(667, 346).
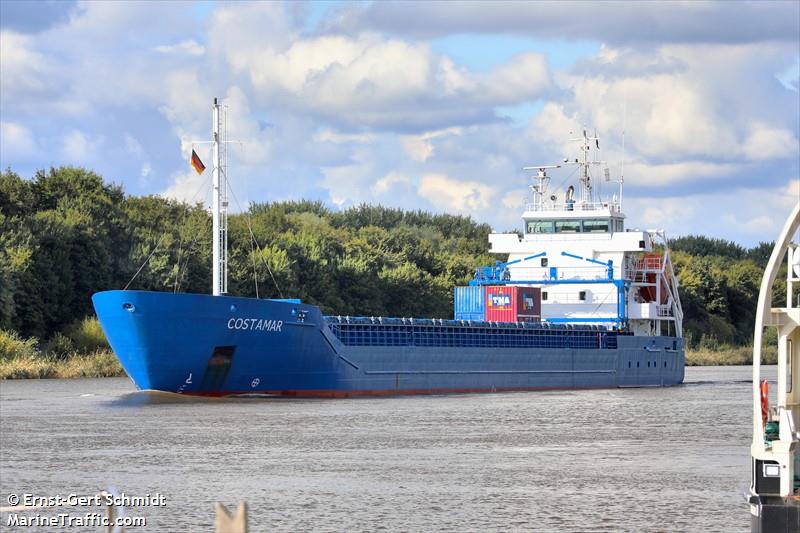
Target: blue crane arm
point(608, 264)
point(495, 273)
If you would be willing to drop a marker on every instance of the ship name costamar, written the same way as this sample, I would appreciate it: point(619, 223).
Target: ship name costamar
point(255, 324)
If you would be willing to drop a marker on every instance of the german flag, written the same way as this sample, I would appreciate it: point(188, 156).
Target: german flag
point(196, 163)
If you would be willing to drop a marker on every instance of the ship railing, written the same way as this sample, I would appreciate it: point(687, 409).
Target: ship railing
point(613, 207)
point(336, 320)
point(634, 276)
point(638, 269)
point(639, 277)
point(561, 273)
point(664, 310)
point(573, 298)
point(651, 264)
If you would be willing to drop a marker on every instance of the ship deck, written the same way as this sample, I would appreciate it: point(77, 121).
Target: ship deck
point(380, 331)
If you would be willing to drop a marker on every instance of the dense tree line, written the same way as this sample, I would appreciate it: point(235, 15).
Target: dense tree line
point(719, 285)
point(65, 234)
point(700, 246)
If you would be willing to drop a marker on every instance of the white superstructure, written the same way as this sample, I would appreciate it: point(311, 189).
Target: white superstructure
point(775, 437)
point(590, 267)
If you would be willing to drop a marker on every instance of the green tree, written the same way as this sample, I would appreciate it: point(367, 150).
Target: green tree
point(698, 245)
point(66, 233)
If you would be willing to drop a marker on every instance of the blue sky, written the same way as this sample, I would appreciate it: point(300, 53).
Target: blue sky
point(433, 105)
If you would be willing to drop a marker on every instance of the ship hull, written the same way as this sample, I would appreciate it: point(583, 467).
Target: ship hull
point(219, 346)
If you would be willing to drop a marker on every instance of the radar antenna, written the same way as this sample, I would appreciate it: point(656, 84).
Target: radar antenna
point(542, 181)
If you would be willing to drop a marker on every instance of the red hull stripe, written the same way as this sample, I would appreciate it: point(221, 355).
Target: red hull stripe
point(383, 392)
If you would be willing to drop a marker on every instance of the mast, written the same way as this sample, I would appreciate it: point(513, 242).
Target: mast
point(622, 170)
point(219, 207)
point(585, 178)
point(542, 180)
point(586, 189)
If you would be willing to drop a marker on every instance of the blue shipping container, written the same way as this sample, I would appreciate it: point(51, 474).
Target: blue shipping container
point(468, 303)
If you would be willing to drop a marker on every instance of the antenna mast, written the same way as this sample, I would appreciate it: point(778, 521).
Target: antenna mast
point(542, 180)
point(219, 203)
point(624, 123)
point(585, 179)
point(586, 189)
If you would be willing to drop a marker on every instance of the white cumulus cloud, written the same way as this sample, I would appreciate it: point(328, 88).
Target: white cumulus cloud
point(388, 182)
point(79, 148)
point(188, 46)
point(364, 107)
point(420, 147)
point(367, 78)
point(452, 194)
point(16, 142)
point(766, 142)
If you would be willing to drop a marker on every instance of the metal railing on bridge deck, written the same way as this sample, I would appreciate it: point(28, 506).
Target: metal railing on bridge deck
point(574, 207)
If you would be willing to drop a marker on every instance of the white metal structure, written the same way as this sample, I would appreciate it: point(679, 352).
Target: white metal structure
point(219, 201)
point(590, 267)
point(774, 458)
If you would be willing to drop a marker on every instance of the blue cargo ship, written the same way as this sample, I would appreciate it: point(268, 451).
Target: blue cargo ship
point(609, 316)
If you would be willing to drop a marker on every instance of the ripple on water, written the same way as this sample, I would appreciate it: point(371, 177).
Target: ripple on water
point(610, 460)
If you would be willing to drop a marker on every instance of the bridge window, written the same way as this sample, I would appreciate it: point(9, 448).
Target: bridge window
point(540, 226)
point(595, 226)
point(573, 226)
point(568, 226)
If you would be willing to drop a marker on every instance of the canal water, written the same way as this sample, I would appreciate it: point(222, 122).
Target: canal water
point(672, 459)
